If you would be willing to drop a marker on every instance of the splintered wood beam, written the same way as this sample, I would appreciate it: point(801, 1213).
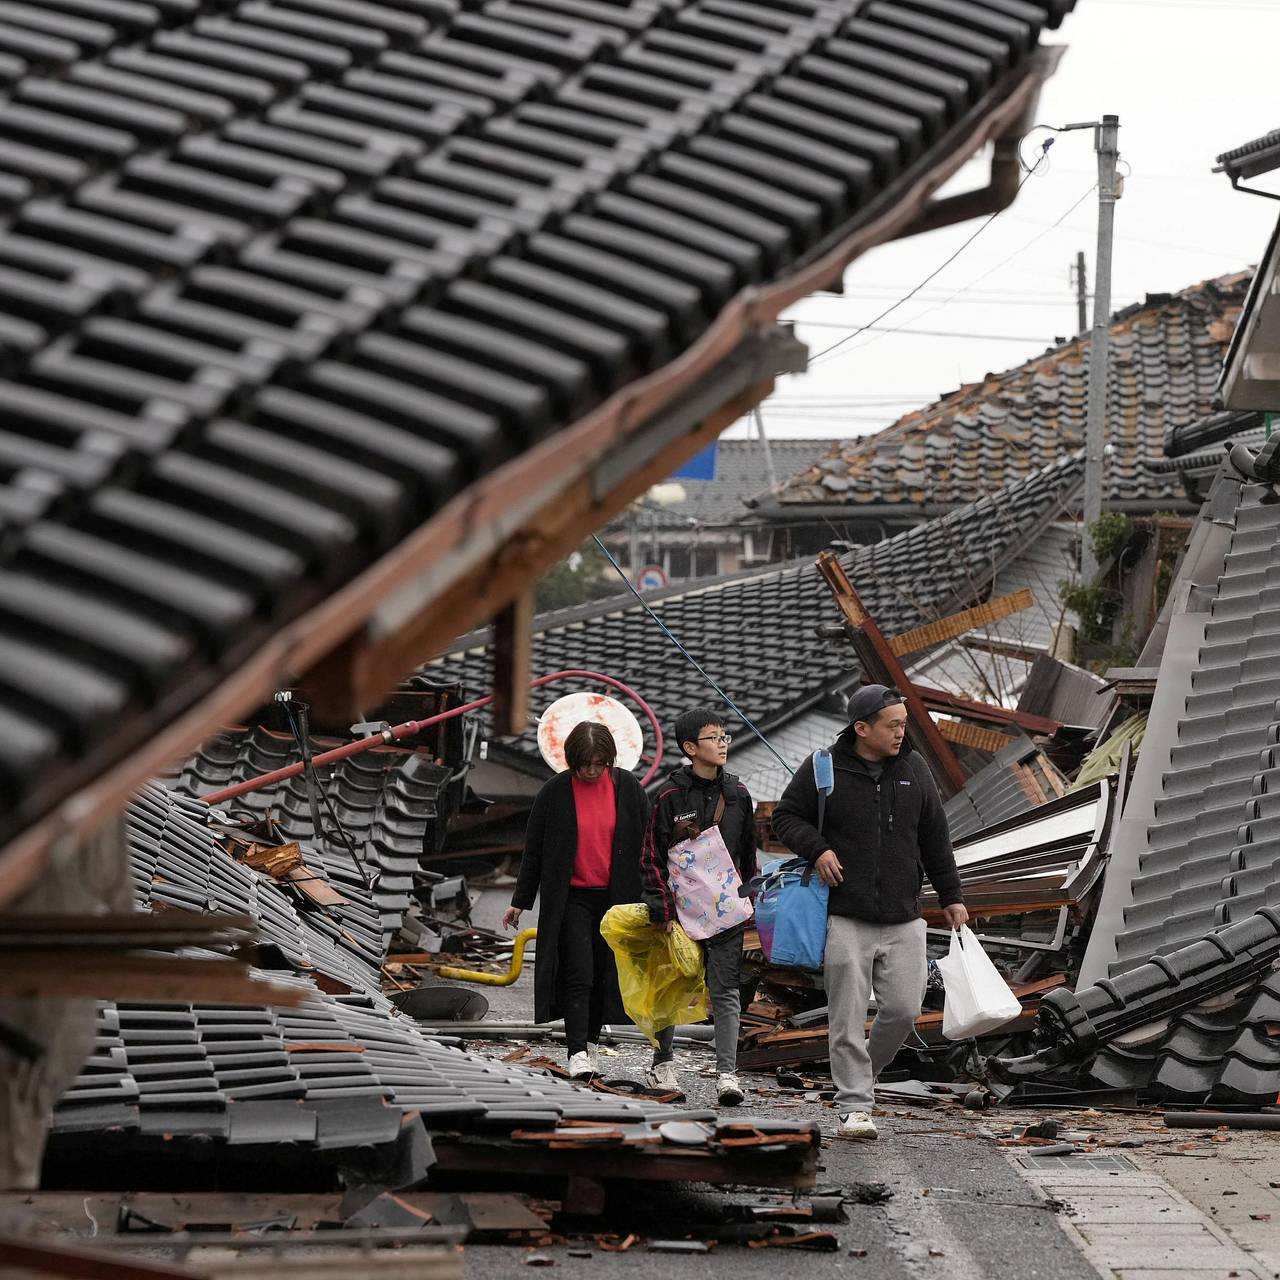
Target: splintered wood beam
point(104, 974)
point(935, 747)
point(987, 712)
point(512, 665)
point(973, 735)
point(931, 633)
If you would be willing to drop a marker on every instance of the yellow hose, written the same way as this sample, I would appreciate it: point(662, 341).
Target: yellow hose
point(495, 979)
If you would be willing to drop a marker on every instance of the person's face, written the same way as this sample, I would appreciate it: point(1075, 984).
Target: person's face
point(590, 771)
point(711, 746)
point(882, 737)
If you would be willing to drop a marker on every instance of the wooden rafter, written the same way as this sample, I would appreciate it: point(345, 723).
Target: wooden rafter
point(920, 722)
point(931, 633)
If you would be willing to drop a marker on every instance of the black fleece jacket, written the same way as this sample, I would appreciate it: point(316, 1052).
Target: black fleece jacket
point(888, 833)
point(685, 806)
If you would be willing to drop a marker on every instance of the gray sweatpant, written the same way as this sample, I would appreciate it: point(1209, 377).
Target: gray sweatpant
point(722, 956)
point(860, 956)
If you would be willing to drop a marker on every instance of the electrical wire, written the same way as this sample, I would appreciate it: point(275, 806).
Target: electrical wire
point(693, 662)
point(986, 222)
point(1004, 262)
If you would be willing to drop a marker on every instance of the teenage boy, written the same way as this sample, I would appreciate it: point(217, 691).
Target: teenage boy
point(685, 807)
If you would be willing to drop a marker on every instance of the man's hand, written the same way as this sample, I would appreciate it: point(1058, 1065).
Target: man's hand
point(664, 926)
point(828, 868)
point(511, 917)
point(955, 915)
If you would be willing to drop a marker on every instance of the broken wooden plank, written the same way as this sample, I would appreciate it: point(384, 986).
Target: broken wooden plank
point(932, 633)
point(103, 974)
point(973, 735)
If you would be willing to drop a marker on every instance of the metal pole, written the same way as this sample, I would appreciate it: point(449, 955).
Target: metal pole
point(1082, 295)
point(1095, 429)
point(764, 448)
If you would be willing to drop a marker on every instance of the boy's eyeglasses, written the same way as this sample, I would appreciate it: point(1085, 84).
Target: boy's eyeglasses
point(726, 738)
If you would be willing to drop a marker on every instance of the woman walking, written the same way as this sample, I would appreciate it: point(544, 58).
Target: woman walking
point(582, 855)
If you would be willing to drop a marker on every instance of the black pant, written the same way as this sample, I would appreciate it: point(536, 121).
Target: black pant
point(586, 966)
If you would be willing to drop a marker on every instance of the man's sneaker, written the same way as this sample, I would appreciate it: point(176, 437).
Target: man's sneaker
point(729, 1091)
point(858, 1127)
point(663, 1076)
point(580, 1067)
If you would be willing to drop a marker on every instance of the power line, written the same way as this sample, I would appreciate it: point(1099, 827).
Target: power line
point(1004, 262)
point(982, 226)
point(922, 333)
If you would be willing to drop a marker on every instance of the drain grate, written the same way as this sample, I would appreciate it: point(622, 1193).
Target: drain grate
point(1095, 1164)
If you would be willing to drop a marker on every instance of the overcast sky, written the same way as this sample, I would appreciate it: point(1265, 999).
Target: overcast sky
point(1188, 79)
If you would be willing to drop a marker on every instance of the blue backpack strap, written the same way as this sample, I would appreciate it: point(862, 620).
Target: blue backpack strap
point(824, 778)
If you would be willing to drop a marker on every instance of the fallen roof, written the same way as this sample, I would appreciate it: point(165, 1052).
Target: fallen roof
point(756, 632)
point(1166, 355)
point(342, 1081)
point(1197, 850)
point(300, 313)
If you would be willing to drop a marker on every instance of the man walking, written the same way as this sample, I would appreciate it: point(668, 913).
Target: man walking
point(881, 832)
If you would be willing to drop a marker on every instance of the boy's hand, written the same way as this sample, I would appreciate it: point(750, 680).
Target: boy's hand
point(664, 926)
point(828, 868)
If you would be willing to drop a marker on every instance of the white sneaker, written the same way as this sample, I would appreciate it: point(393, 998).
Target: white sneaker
point(580, 1066)
point(729, 1091)
point(663, 1076)
point(858, 1127)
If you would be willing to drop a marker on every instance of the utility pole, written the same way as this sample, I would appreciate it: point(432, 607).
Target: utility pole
point(1104, 141)
point(1082, 293)
point(764, 448)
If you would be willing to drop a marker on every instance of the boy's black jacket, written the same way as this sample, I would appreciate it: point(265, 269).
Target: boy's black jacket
point(684, 793)
point(888, 834)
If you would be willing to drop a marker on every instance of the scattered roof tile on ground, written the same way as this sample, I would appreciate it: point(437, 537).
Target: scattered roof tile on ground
point(201, 1089)
point(282, 277)
point(1166, 355)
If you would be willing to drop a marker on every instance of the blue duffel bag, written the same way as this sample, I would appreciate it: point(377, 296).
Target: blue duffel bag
point(791, 913)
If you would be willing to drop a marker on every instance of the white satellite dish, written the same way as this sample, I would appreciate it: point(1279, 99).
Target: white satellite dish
point(565, 714)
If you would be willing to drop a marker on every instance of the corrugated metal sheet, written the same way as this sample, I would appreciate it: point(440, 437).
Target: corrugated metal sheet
point(757, 766)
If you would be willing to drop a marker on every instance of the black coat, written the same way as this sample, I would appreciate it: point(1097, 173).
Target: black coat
point(888, 834)
point(685, 796)
point(550, 847)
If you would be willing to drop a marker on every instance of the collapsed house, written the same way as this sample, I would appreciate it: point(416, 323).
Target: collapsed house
point(308, 326)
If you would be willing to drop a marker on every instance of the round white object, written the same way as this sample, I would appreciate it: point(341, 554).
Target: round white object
point(565, 714)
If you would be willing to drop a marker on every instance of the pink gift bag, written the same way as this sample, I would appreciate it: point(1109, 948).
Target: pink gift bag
point(705, 884)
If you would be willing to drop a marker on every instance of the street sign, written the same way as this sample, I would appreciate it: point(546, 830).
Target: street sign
point(651, 578)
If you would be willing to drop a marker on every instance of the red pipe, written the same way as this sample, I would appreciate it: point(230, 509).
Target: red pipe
point(411, 727)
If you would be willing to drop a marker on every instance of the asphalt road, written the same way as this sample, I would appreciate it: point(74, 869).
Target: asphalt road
point(959, 1209)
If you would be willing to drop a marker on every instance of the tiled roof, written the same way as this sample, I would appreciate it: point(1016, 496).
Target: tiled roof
point(1260, 155)
point(756, 632)
point(1166, 355)
point(280, 1092)
point(1212, 853)
point(1208, 857)
point(385, 801)
point(741, 473)
point(282, 277)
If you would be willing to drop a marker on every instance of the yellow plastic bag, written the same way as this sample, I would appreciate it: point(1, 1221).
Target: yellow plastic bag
point(660, 975)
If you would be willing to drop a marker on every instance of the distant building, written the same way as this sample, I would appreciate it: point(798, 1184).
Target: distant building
point(712, 531)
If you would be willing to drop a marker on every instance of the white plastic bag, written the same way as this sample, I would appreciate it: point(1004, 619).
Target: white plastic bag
point(978, 998)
